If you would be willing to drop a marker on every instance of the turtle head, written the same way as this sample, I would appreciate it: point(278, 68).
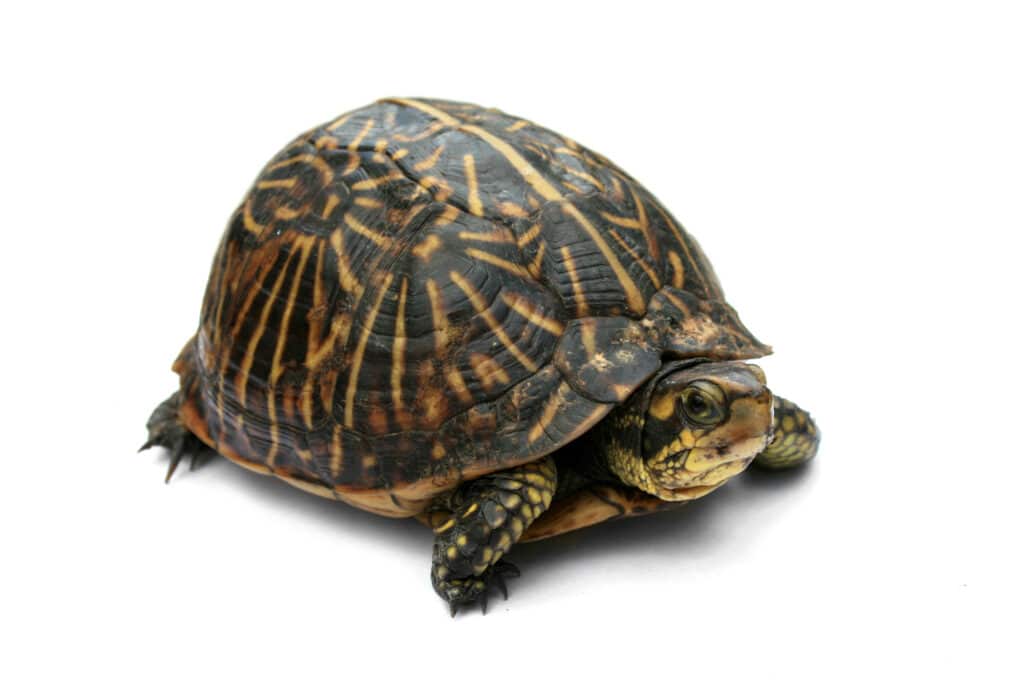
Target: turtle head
point(701, 425)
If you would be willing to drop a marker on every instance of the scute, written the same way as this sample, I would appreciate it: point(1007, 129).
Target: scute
point(420, 292)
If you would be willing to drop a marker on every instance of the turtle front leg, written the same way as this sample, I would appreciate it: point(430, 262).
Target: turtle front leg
point(795, 438)
point(488, 515)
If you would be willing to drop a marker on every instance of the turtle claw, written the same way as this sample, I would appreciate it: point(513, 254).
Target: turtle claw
point(176, 456)
point(166, 430)
point(476, 589)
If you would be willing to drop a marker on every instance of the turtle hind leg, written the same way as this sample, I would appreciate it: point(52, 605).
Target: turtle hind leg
point(795, 438)
point(488, 515)
point(165, 429)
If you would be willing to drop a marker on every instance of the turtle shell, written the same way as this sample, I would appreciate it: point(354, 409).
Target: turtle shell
point(421, 292)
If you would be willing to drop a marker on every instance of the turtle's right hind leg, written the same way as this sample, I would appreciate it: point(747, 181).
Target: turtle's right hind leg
point(166, 429)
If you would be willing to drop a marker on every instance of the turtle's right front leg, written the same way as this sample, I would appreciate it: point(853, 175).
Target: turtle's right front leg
point(488, 515)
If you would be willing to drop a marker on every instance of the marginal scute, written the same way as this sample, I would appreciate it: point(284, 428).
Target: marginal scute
point(690, 327)
point(605, 359)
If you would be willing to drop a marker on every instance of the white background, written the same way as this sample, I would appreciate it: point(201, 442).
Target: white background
point(854, 171)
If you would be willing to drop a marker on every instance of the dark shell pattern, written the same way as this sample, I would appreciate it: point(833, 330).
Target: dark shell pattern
point(423, 291)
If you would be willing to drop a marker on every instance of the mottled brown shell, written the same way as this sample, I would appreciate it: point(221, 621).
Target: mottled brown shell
point(421, 292)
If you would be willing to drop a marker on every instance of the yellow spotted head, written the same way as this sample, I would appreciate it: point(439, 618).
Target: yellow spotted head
point(701, 425)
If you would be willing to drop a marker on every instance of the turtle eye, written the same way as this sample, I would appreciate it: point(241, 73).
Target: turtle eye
point(703, 403)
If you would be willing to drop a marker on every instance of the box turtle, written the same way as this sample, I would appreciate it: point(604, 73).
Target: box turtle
point(427, 308)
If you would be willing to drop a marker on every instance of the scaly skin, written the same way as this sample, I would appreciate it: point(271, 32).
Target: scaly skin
point(165, 429)
point(795, 438)
point(487, 516)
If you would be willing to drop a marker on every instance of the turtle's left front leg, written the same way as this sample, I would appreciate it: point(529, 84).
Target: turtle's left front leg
point(488, 515)
point(794, 440)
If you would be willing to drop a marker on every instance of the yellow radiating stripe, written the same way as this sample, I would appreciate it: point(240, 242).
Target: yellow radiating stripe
point(348, 282)
point(330, 205)
point(452, 375)
point(645, 225)
point(634, 299)
point(286, 183)
point(427, 247)
point(475, 206)
point(677, 270)
point(368, 202)
point(567, 150)
point(518, 125)
point(398, 351)
point(502, 237)
point(480, 305)
point(523, 307)
point(438, 316)
point(316, 324)
point(504, 264)
point(338, 123)
point(285, 213)
point(248, 221)
point(242, 380)
point(374, 183)
point(677, 302)
point(275, 433)
point(430, 161)
point(458, 384)
point(581, 301)
point(447, 216)
point(582, 175)
point(588, 334)
point(253, 289)
point(621, 221)
point(306, 243)
point(357, 356)
point(367, 127)
point(529, 235)
point(534, 266)
point(422, 135)
point(488, 371)
point(512, 209)
point(695, 268)
point(444, 189)
point(336, 451)
point(307, 406)
point(375, 237)
point(441, 116)
point(326, 142)
point(655, 280)
point(533, 177)
point(312, 159)
point(222, 289)
point(554, 404)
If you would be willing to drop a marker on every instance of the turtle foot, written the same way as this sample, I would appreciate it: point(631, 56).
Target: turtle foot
point(165, 429)
point(460, 592)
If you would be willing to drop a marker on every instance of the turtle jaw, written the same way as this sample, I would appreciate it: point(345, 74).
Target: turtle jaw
point(686, 485)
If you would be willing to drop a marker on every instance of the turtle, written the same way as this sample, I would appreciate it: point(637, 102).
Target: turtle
point(426, 308)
